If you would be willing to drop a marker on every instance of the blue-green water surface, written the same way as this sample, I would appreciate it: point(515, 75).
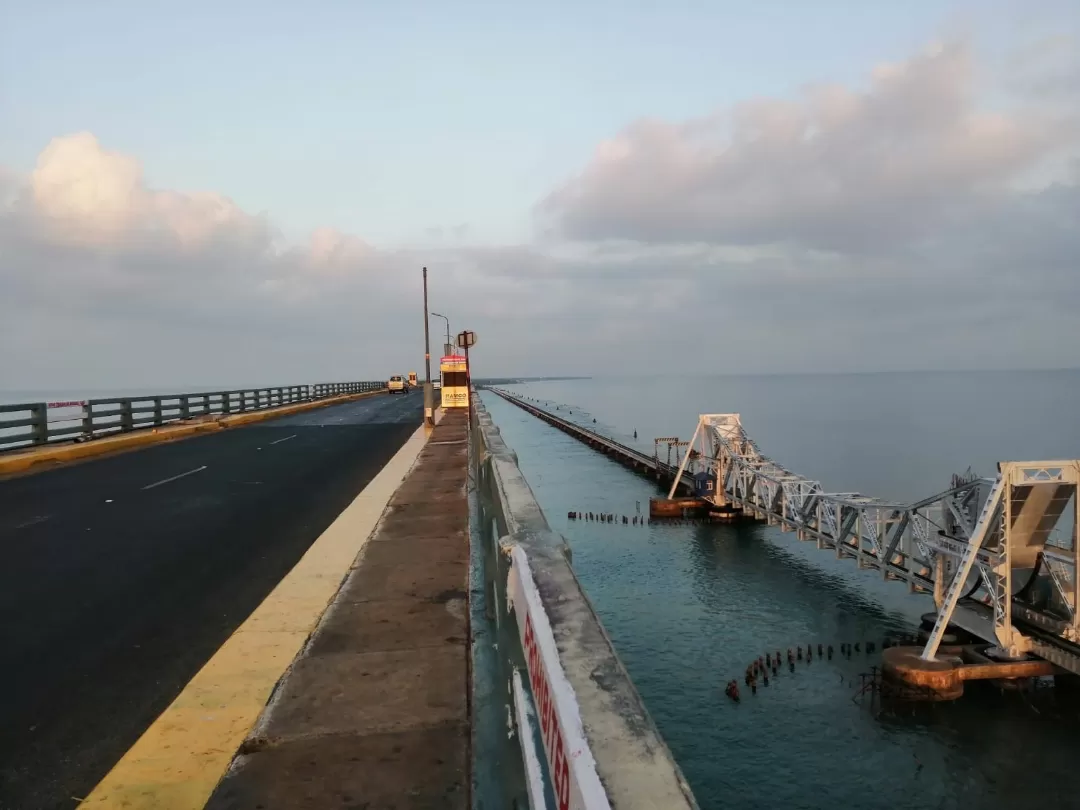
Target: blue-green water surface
point(689, 607)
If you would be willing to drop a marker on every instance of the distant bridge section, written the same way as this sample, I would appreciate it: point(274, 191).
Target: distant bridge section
point(998, 554)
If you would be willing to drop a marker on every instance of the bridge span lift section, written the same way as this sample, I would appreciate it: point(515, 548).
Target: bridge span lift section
point(999, 555)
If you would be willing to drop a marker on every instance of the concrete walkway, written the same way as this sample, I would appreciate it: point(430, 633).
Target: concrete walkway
point(374, 710)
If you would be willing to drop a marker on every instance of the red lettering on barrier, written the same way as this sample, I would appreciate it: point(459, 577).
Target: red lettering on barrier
point(550, 732)
point(561, 777)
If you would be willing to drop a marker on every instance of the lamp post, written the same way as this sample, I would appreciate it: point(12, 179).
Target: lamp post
point(437, 315)
point(429, 399)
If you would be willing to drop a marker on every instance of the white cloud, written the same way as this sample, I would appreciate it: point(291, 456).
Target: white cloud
point(848, 229)
point(106, 281)
point(837, 169)
point(84, 194)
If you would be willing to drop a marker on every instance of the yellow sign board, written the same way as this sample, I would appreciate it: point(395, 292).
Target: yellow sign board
point(455, 385)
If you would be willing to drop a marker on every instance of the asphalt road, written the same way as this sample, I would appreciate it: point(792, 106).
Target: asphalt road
point(120, 577)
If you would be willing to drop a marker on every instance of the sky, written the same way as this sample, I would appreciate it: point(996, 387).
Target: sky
point(238, 193)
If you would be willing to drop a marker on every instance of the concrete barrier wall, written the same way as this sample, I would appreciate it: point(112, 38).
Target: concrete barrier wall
point(590, 743)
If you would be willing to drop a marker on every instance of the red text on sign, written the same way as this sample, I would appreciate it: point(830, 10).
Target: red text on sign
point(554, 745)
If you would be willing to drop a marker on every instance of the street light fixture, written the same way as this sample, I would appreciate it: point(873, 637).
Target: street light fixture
point(447, 345)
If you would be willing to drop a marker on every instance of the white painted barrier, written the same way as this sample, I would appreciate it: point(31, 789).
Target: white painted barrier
point(601, 748)
point(534, 773)
point(570, 762)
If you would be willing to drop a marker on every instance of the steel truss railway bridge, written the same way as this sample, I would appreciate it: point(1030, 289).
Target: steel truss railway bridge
point(999, 555)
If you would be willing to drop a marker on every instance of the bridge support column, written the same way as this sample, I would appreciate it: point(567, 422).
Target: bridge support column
point(429, 404)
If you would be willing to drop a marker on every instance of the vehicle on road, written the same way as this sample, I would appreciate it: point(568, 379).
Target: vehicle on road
point(412, 379)
point(397, 385)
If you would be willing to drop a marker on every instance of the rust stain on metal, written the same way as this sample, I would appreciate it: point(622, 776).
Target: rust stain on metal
point(943, 678)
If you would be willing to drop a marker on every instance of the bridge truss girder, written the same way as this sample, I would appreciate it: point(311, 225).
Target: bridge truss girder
point(960, 541)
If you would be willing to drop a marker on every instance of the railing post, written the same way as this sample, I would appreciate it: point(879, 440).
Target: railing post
point(158, 419)
point(127, 418)
point(185, 407)
point(88, 420)
point(39, 413)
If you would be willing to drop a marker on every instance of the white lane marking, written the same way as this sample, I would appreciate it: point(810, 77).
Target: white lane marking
point(279, 441)
point(33, 521)
point(175, 477)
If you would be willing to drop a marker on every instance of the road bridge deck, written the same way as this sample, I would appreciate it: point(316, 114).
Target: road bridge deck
point(122, 575)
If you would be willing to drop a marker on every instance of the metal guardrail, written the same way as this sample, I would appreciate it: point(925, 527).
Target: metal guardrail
point(587, 742)
point(38, 423)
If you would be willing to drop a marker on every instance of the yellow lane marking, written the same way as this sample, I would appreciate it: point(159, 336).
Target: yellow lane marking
point(178, 761)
